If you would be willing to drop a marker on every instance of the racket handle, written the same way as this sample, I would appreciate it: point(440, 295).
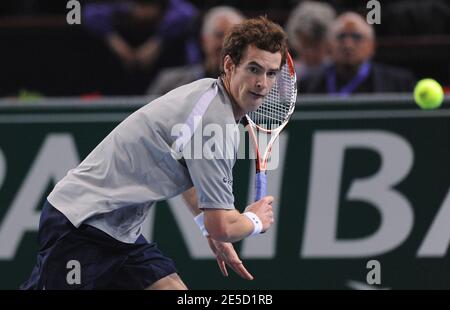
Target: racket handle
point(260, 185)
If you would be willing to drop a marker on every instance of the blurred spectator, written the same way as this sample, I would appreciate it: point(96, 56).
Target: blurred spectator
point(352, 46)
point(173, 18)
point(307, 28)
point(216, 23)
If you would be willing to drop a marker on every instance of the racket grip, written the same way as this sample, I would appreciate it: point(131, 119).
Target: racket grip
point(260, 185)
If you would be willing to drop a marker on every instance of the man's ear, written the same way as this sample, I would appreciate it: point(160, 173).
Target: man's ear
point(228, 64)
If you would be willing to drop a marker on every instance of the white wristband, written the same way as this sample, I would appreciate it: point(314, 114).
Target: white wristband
point(200, 220)
point(257, 224)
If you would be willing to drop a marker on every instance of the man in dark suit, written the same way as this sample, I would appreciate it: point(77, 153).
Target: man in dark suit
point(352, 46)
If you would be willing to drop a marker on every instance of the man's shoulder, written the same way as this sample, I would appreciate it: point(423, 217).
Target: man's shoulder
point(177, 103)
point(196, 87)
point(171, 78)
point(188, 72)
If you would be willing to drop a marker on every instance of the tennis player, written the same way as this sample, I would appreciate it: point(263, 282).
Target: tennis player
point(94, 214)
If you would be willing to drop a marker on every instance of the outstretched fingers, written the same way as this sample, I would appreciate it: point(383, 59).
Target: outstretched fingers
point(241, 270)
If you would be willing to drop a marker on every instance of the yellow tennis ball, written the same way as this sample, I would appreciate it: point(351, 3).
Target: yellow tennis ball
point(428, 94)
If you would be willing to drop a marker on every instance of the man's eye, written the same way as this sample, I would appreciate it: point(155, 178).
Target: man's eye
point(253, 69)
point(272, 75)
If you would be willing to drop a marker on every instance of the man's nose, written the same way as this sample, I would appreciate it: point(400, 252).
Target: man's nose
point(348, 42)
point(262, 82)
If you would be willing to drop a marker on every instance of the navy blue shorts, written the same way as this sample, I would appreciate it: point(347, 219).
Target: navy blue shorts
point(104, 262)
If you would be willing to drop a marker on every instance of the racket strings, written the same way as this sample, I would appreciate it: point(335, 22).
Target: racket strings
point(278, 105)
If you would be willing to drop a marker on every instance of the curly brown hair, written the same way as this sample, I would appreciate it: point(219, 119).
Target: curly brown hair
point(260, 32)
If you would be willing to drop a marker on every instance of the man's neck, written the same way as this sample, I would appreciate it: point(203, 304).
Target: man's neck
point(237, 111)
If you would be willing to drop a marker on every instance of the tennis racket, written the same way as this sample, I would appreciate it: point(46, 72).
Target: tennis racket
point(270, 118)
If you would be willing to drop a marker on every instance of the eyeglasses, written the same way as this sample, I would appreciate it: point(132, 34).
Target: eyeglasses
point(355, 36)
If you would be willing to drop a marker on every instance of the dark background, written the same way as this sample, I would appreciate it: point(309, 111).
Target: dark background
point(40, 52)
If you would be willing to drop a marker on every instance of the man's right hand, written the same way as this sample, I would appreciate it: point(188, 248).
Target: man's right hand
point(226, 255)
point(263, 209)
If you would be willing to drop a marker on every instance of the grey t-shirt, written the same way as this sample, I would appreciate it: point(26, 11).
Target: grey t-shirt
point(173, 77)
point(139, 163)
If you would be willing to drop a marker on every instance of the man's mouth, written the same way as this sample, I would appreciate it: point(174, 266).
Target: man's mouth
point(257, 95)
point(348, 52)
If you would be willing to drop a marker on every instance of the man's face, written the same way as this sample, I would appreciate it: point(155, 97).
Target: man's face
point(213, 40)
point(312, 52)
point(351, 43)
point(251, 80)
